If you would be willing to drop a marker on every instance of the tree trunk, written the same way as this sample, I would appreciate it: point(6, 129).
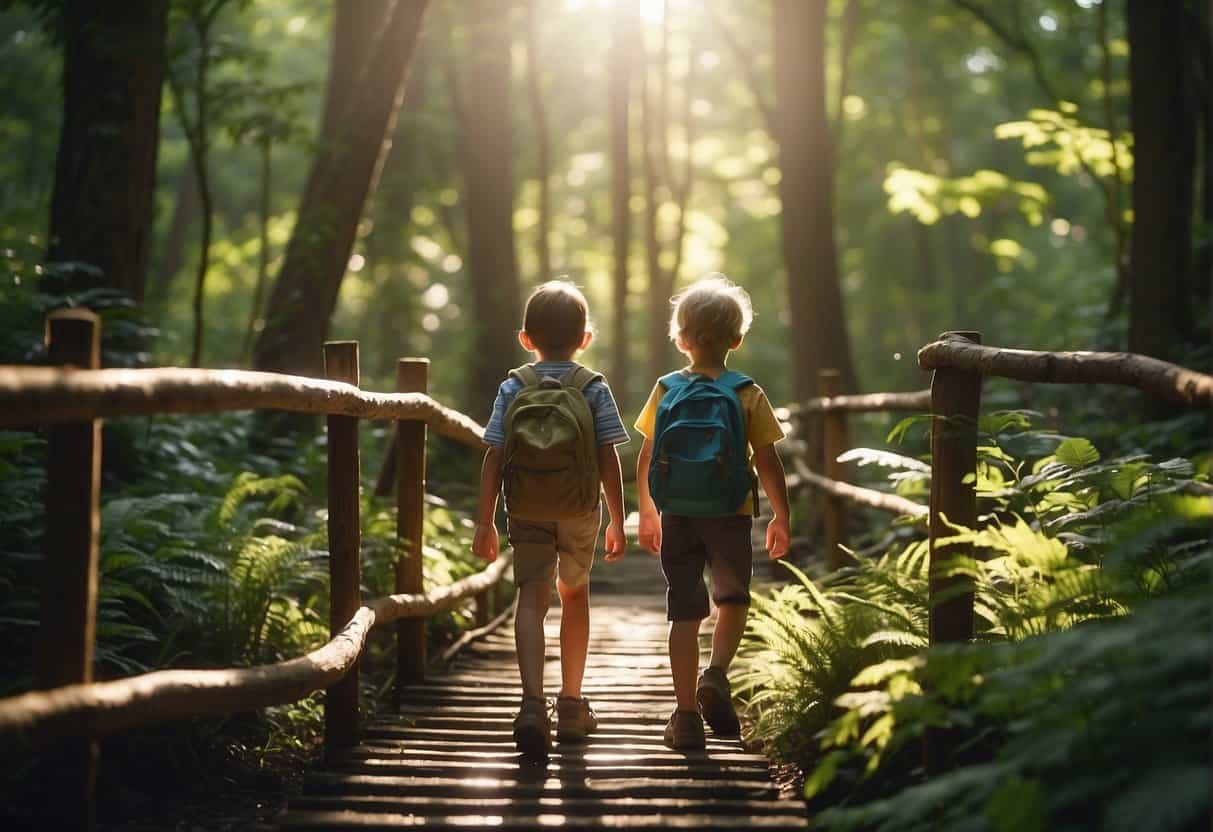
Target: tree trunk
point(105, 169)
point(343, 175)
point(356, 24)
point(623, 52)
point(660, 181)
point(543, 151)
point(1162, 112)
point(486, 149)
point(817, 326)
point(658, 346)
point(172, 248)
point(391, 314)
point(263, 246)
point(200, 153)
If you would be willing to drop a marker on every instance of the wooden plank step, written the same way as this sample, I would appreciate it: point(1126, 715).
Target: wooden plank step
point(539, 785)
point(512, 687)
point(706, 769)
point(511, 699)
point(472, 742)
point(633, 755)
point(451, 719)
point(606, 711)
point(553, 818)
point(510, 806)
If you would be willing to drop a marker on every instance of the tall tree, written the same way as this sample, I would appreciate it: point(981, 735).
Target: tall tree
point(199, 53)
point(482, 105)
point(360, 113)
point(661, 179)
point(543, 148)
point(817, 324)
point(171, 257)
point(1163, 113)
point(405, 171)
point(105, 171)
point(623, 53)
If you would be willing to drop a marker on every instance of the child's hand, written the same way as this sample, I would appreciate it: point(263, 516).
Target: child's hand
point(616, 541)
point(650, 531)
point(778, 537)
point(485, 543)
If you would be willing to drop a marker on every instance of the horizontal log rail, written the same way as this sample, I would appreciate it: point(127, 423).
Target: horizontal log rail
point(892, 503)
point(1158, 378)
point(103, 708)
point(41, 395)
point(69, 710)
point(916, 400)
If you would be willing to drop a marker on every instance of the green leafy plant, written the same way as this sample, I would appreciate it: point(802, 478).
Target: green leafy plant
point(1078, 562)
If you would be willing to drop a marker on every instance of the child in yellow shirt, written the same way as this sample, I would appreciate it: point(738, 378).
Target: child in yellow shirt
point(707, 490)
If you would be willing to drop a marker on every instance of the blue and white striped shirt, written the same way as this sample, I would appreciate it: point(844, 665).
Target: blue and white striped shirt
point(608, 427)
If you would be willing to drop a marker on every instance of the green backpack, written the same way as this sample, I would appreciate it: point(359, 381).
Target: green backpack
point(551, 451)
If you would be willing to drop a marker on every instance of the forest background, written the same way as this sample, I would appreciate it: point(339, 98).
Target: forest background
point(231, 182)
point(945, 164)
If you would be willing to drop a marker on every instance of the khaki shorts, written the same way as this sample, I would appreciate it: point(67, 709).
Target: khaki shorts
point(543, 550)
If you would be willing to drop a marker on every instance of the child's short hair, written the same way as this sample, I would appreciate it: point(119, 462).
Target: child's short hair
point(711, 315)
point(556, 317)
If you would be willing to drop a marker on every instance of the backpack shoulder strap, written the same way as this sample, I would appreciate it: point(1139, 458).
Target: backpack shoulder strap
point(734, 379)
point(673, 381)
point(526, 374)
point(579, 377)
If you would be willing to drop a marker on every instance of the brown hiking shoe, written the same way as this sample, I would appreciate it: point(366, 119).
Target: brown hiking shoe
point(684, 731)
point(715, 702)
point(575, 719)
point(533, 727)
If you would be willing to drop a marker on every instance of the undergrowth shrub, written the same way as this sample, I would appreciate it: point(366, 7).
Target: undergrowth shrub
point(1091, 653)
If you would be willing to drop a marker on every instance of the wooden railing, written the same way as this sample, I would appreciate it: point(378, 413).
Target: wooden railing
point(959, 363)
point(70, 708)
point(820, 424)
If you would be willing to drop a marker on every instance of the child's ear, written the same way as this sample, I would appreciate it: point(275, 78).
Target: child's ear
point(737, 343)
point(682, 346)
point(525, 340)
point(586, 339)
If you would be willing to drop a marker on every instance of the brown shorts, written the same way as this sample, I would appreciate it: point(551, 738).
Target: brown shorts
point(543, 549)
point(688, 544)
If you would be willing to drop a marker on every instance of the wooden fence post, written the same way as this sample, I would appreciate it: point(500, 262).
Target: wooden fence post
point(69, 586)
point(955, 400)
point(833, 443)
point(484, 610)
point(412, 376)
point(345, 543)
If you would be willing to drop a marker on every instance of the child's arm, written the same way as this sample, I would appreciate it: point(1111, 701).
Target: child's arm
point(650, 520)
point(770, 474)
point(612, 486)
point(485, 543)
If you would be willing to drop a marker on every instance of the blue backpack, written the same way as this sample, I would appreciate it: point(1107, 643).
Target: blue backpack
point(699, 466)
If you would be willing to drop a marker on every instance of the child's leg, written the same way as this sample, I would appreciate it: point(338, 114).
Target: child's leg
point(683, 557)
point(730, 624)
point(576, 539)
point(732, 558)
point(533, 600)
point(684, 661)
point(574, 636)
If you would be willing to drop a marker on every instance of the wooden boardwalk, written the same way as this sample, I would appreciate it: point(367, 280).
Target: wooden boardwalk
point(447, 760)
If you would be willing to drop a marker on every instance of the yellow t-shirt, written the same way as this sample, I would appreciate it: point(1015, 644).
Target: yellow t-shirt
point(761, 426)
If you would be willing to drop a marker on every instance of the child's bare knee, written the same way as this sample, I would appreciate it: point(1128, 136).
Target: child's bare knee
point(534, 596)
point(572, 593)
